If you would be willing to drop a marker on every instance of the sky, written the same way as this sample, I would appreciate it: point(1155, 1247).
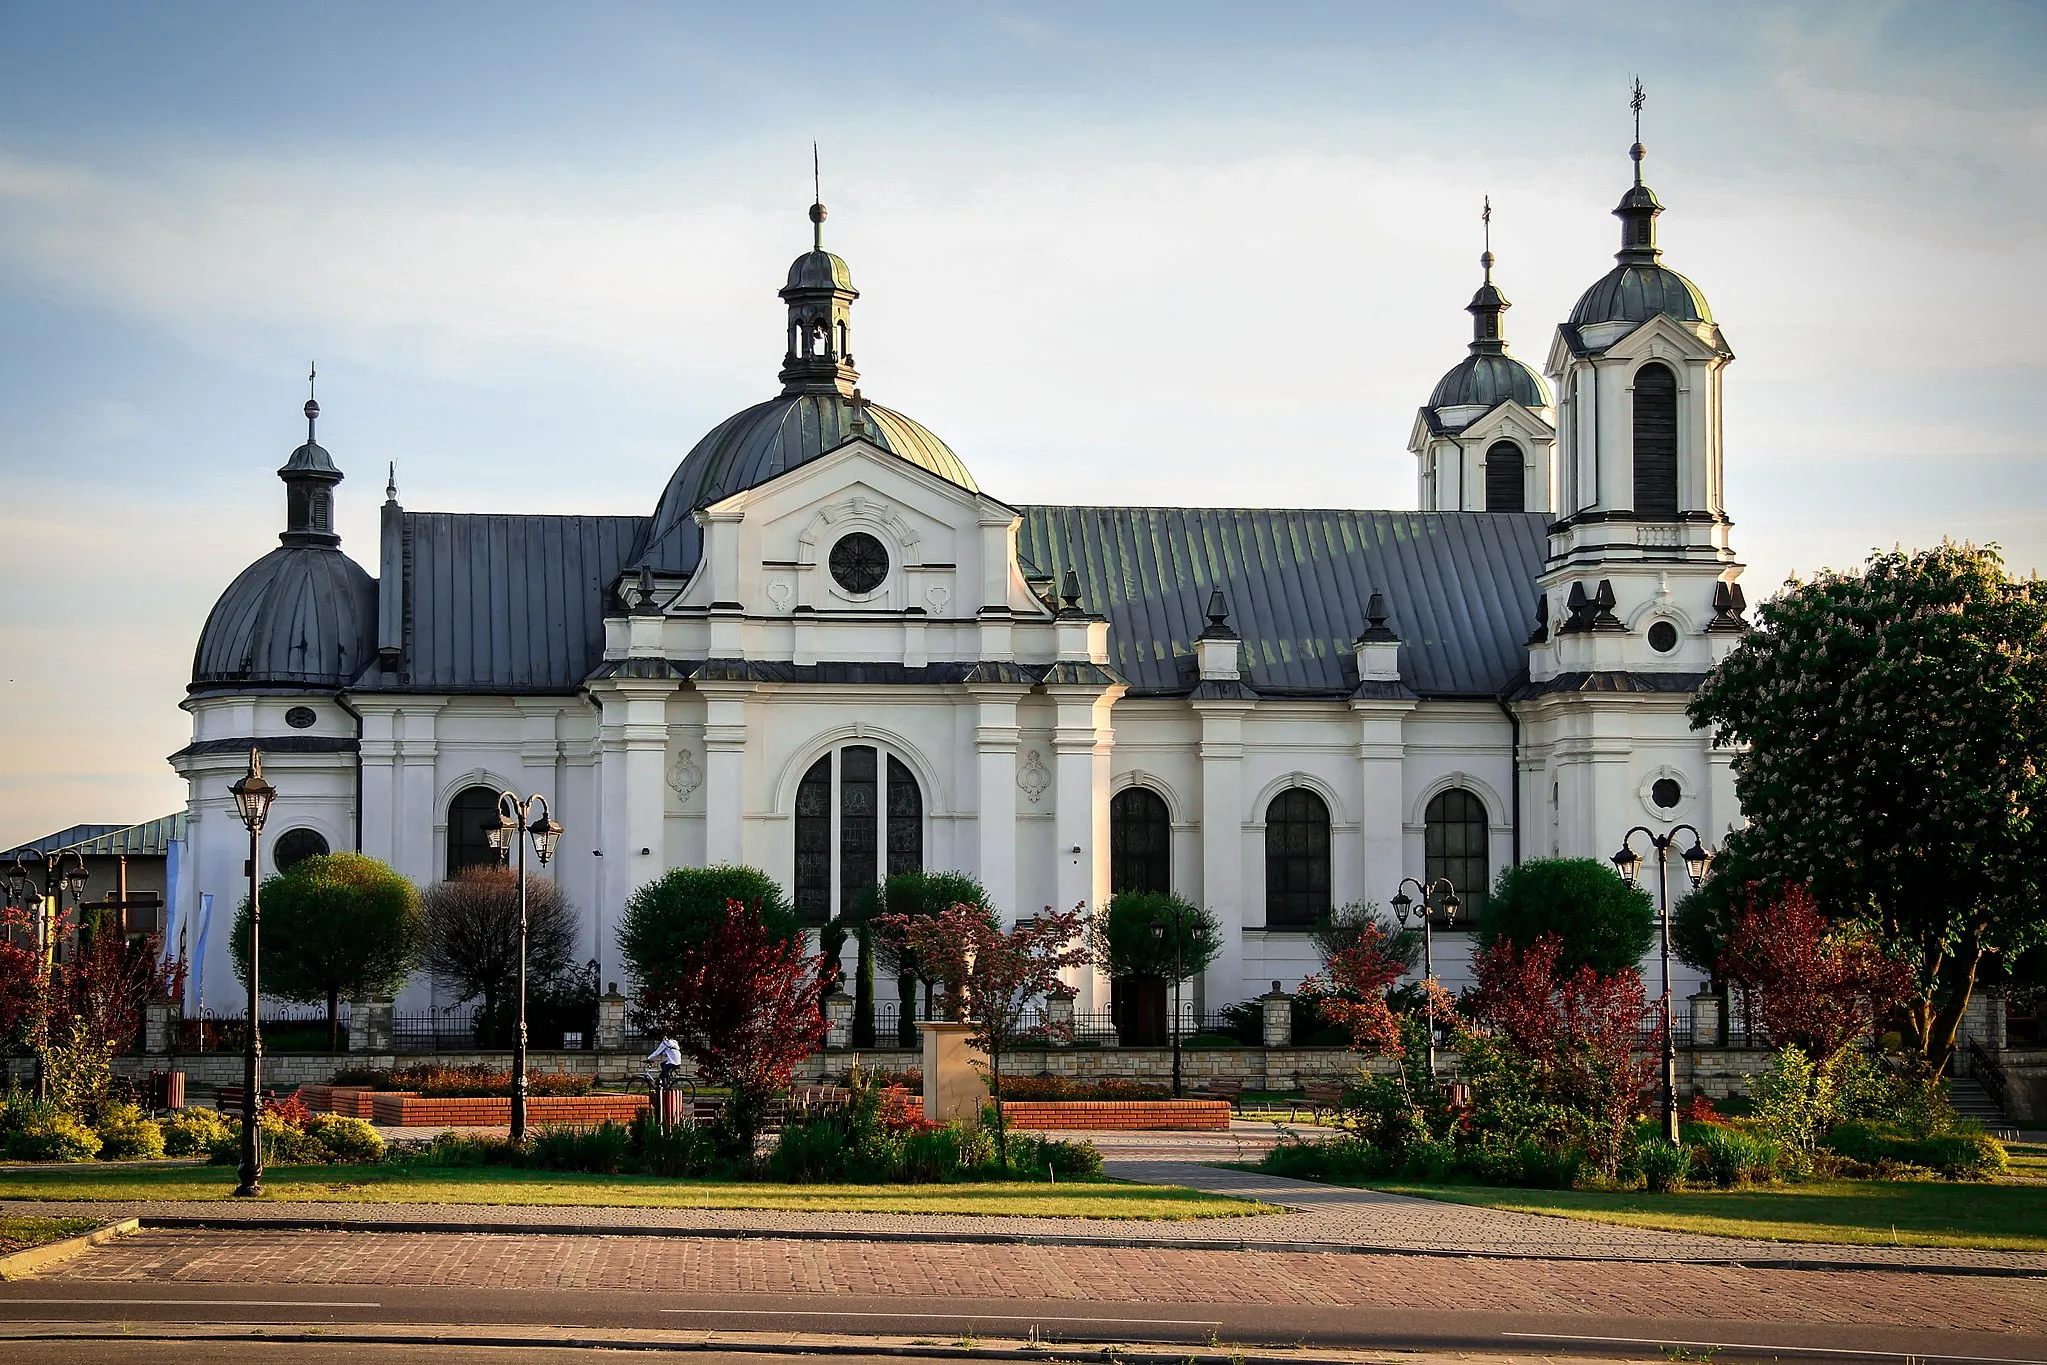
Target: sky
point(1179, 253)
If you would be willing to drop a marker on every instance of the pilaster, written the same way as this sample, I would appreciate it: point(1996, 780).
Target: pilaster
point(995, 740)
point(726, 799)
point(1222, 840)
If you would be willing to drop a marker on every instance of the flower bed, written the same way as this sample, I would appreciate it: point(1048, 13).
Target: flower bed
point(438, 1081)
point(422, 1111)
point(1206, 1116)
point(1065, 1088)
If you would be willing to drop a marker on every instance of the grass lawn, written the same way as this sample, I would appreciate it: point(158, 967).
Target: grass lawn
point(19, 1234)
point(2028, 1160)
point(1927, 1213)
point(398, 1184)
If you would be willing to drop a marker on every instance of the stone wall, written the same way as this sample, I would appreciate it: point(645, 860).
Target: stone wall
point(2026, 1069)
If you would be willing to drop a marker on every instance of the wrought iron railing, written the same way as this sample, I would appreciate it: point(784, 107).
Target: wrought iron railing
point(1989, 1073)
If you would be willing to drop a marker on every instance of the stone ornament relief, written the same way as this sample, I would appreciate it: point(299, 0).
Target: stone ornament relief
point(684, 776)
point(778, 593)
point(1032, 777)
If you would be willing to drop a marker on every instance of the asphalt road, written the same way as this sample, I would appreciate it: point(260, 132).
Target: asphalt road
point(138, 1306)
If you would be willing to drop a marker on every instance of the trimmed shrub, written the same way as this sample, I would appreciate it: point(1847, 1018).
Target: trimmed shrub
point(1603, 922)
point(127, 1134)
point(345, 1139)
point(193, 1132)
point(1962, 1154)
point(667, 919)
point(53, 1136)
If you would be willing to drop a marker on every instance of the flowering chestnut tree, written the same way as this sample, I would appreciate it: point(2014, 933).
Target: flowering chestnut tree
point(1820, 986)
point(993, 979)
point(743, 1002)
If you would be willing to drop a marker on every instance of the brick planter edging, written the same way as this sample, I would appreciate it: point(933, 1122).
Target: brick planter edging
point(1208, 1116)
point(352, 1101)
point(414, 1111)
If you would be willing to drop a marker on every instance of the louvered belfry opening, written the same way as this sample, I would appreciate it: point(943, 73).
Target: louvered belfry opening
point(1655, 442)
point(1506, 487)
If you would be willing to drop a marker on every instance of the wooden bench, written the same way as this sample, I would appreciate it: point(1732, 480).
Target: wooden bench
point(1319, 1097)
point(1230, 1090)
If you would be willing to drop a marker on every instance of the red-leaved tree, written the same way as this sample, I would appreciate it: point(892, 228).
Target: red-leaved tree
point(18, 984)
point(1819, 986)
point(1350, 992)
point(744, 1004)
point(994, 979)
point(1592, 1041)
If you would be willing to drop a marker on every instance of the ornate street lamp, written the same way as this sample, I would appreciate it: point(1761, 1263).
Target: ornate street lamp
point(1628, 863)
point(46, 920)
point(517, 822)
point(1158, 934)
point(1402, 905)
point(252, 799)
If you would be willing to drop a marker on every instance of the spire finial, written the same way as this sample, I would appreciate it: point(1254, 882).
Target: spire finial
point(816, 202)
point(1486, 257)
point(1635, 101)
point(391, 484)
point(312, 407)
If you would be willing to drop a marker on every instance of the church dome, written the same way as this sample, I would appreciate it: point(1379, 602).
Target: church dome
point(1487, 381)
point(303, 615)
point(768, 439)
point(819, 270)
point(1638, 292)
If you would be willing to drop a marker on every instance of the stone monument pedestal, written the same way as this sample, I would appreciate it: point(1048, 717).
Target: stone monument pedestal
point(954, 1088)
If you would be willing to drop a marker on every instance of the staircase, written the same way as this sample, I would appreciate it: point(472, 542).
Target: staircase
point(1972, 1101)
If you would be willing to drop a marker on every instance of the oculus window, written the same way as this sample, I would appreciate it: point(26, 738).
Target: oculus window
point(859, 563)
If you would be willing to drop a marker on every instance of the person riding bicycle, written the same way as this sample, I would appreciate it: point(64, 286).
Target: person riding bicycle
point(669, 1053)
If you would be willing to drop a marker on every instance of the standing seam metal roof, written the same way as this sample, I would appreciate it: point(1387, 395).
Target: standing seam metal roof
point(1458, 586)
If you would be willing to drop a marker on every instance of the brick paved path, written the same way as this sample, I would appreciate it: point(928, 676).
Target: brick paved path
point(1121, 1275)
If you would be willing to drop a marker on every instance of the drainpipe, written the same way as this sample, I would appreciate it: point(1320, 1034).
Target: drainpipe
point(341, 700)
point(1514, 780)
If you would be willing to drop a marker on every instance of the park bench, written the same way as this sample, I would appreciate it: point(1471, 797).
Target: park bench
point(1318, 1097)
point(1231, 1090)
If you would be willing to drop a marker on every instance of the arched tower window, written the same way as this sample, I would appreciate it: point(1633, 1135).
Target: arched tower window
point(859, 818)
point(1506, 490)
point(1655, 442)
point(471, 816)
point(1296, 859)
point(1140, 842)
point(1456, 844)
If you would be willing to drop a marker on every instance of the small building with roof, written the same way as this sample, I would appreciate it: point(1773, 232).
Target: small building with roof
point(828, 652)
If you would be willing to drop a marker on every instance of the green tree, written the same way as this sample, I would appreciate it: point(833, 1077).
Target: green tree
point(908, 895)
point(667, 919)
point(337, 925)
point(1891, 728)
point(1600, 921)
point(1125, 946)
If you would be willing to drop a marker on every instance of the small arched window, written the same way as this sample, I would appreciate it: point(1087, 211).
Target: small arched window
point(471, 816)
point(294, 846)
point(1655, 442)
point(1296, 860)
point(853, 829)
point(1506, 490)
point(1456, 844)
point(1140, 842)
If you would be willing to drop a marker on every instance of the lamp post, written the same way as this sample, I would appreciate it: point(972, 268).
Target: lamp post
point(45, 924)
point(517, 821)
point(1402, 904)
point(1628, 863)
point(252, 799)
point(1158, 934)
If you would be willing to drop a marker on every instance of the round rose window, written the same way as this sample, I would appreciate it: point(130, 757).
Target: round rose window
point(859, 563)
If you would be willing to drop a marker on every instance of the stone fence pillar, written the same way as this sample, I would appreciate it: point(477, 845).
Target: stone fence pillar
point(1706, 1017)
point(611, 1020)
point(838, 1014)
point(156, 1027)
point(1279, 1017)
point(1059, 1015)
point(953, 1085)
point(369, 1025)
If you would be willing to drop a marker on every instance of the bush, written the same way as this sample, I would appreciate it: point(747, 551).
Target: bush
point(679, 1152)
point(51, 1136)
point(1663, 1165)
point(433, 1080)
point(594, 1151)
point(1733, 1159)
point(1603, 922)
point(451, 1148)
point(1123, 941)
point(666, 920)
point(1064, 1088)
point(1338, 1160)
point(344, 1139)
point(127, 1134)
point(193, 1132)
point(1962, 1154)
point(1030, 1153)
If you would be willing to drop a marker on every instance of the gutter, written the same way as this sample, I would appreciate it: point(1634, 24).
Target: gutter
point(341, 700)
point(1514, 769)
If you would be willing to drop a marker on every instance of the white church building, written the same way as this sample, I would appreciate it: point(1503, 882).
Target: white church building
point(829, 653)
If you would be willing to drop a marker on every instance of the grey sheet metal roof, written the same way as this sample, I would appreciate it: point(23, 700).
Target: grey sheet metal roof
point(148, 839)
point(1638, 292)
point(1459, 586)
point(302, 615)
point(502, 604)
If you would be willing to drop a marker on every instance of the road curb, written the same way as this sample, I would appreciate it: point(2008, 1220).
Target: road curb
point(31, 1259)
point(204, 1222)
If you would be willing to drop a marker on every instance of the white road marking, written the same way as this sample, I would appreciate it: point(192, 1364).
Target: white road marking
point(1751, 1346)
point(952, 1317)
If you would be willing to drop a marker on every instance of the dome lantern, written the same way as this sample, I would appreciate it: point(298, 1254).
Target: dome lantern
point(820, 296)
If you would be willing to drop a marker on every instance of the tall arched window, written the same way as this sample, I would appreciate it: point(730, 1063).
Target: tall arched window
point(1296, 859)
point(1457, 844)
point(1140, 841)
point(471, 816)
point(853, 829)
point(1505, 488)
point(1655, 442)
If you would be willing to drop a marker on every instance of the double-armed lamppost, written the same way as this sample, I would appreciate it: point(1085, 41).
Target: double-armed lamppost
point(1158, 934)
point(1425, 908)
point(1628, 863)
point(46, 917)
point(252, 799)
point(517, 820)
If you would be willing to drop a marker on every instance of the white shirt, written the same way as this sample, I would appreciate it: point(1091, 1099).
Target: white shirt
point(669, 1052)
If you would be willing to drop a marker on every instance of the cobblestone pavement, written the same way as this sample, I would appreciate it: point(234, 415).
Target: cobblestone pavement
point(1096, 1274)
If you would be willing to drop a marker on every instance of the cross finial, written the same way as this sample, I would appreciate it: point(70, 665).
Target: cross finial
point(312, 407)
point(816, 202)
point(1486, 258)
point(1635, 101)
point(391, 484)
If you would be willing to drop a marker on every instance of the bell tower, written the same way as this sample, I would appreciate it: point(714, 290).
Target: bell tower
point(820, 296)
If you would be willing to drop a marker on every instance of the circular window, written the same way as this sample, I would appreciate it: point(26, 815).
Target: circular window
point(295, 846)
point(1663, 637)
point(859, 563)
point(300, 717)
point(1666, 793)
